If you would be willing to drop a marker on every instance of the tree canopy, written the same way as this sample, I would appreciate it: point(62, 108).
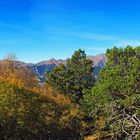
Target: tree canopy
point(26, 115)
point(71, 104)
point(73, 77)
point(116, 96)
point(11, 72)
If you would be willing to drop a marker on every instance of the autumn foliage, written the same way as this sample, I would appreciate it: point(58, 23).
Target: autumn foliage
point(21, 77)
point(72, 104)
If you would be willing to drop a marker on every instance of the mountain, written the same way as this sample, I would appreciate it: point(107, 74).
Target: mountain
point(99, 61)
point(42, 67)
point(47, 65)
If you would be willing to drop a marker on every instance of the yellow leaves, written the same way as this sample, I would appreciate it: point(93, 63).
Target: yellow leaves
point(91, 138)
point(21, 123)
point(49, 117)
point(21, 77)
point(39, 114)
point(21, 110)
point(98, 137)
point(57, 97)
point(101, 123)
point(61, 112)
point(100, 133)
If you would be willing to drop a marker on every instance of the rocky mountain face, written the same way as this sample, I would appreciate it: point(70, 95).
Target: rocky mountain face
point(46, 66)
point(42, 67)
point(99, 61)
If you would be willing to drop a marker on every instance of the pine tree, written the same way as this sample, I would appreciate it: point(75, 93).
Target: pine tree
point(73, 77)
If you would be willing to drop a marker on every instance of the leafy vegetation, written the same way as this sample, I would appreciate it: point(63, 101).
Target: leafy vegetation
point(28, 115)
point(116, 96)
point(74, 77)
point(71, 105)
point(21, 77)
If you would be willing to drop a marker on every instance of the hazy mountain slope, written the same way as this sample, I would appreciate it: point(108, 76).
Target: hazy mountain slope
point(42, 67)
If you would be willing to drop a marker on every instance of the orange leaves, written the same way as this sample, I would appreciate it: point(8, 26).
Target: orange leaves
point(21, 77)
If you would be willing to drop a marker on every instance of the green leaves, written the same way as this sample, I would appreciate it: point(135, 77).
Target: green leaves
point(116, 96)
point(74, 77)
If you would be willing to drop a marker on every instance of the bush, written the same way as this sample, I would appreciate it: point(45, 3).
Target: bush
point(29, 115)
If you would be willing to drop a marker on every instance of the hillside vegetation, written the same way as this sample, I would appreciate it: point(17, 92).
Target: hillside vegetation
point(72, 104)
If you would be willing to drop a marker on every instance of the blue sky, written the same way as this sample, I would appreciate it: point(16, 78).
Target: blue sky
point(42, 29)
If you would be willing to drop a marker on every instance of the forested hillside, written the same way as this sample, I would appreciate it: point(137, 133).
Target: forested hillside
point(72, 104)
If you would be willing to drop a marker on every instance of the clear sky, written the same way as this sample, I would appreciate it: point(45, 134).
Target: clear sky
point(42, 29)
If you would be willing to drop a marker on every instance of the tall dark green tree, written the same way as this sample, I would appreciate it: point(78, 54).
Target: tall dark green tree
point(116, 96)
point(73, 77)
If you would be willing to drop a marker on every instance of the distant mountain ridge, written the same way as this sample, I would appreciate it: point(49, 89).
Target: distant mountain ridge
point(42, 67)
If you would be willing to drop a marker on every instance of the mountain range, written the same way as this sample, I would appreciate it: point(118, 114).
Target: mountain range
point(42, 67)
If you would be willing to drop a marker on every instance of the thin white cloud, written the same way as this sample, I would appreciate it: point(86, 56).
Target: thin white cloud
point(98, 49)
point(98, 37)
point(83, 35)
point(124, 43)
